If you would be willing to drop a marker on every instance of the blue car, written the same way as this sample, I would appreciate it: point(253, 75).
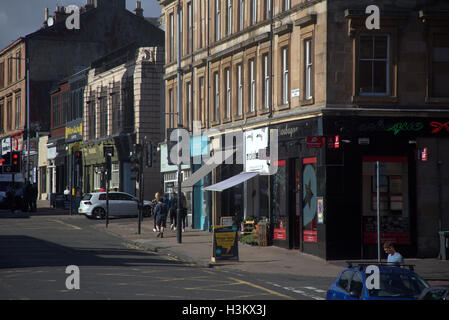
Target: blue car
point(374, 281)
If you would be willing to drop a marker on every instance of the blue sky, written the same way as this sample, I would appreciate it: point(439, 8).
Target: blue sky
point(21, 17)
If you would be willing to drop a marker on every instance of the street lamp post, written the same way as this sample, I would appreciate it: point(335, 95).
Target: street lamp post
point(178, 211)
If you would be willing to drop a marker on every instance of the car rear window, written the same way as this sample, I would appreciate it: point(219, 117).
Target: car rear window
point(87, 196)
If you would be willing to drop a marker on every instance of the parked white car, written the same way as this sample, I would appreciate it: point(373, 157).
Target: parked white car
point(93, 205)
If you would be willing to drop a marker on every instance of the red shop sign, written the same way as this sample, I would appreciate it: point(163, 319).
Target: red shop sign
point(280, 234)
point(310, 236)
point(314, 141)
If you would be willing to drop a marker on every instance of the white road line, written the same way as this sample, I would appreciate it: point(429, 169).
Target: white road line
point(301, 292)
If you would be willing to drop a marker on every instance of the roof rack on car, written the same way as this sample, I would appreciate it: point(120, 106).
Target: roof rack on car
point(363, 263)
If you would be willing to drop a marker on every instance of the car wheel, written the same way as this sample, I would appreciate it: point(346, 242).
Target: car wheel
point(99, 213)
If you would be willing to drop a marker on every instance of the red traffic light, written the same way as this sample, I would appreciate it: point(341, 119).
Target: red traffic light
point(15, 156)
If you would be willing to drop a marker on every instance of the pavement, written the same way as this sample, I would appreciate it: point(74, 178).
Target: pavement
point(196, 248)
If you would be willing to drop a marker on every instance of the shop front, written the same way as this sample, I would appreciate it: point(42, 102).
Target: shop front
point(297, 187)
point(405, 155)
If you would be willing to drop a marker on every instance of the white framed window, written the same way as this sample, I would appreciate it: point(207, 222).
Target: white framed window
point(217, 96)
point(115, 175)
point(252, 94)
point(267, 9)
point(308, 85)
point(239, 90)
point(18, 112)
point(189, 103)
point(373, 65)
point(217, 19)
point(285, 84)
point(97, 178)
point(254, 12)
point(228, 93)
point(286, 5)
point(266, 82)
point(190, 27)
point(229, 17)
point(172, 37)
point(241, 14)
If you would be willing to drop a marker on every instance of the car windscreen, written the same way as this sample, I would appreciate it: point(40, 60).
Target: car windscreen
point(398, 285)
point(87, 196)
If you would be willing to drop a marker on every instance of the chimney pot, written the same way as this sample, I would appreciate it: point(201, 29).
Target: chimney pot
point(138, 11)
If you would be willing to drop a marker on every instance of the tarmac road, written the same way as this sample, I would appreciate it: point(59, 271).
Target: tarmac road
point(36, 249)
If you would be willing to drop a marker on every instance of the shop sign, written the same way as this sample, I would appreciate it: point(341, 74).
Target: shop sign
point(439, 126)
point(320, 209)
point(6, 145)
point(256, 143)
point(74, 131)
point(225, 246)
point(310, 236)
point(314, 141)
point(280, 234)
point(51, 153)
point(333, 142)
point(405, 126)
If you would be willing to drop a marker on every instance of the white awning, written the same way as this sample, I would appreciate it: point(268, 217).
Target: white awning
point(213, 162)
point(232, 181)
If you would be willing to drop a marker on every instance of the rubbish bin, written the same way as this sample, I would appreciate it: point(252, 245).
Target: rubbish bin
point(444, 245)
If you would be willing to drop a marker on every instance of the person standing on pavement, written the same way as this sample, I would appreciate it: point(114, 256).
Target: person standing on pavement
point(172, 206)
point(183, 212)
point(394, 257)
point(160, 214)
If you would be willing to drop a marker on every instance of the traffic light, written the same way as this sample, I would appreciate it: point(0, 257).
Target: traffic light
point(16, 162)
point(78, 158)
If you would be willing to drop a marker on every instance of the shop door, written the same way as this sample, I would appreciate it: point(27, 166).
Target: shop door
point(309, 200)
point(394, 203)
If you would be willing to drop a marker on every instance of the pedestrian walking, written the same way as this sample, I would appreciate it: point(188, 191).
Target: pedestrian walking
point(172, 207)
point(183, 212)
point(160, 212)
point(153, 206)
point(67, 192)
point(394, 257)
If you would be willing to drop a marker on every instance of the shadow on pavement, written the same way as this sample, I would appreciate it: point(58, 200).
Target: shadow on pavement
point(18, 251)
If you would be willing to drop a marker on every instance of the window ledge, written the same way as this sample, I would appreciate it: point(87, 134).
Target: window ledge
point(251, 114)
point(226, 120)
point(308, 102)
point(374, 99)
point(283, 106)
point(264, 110)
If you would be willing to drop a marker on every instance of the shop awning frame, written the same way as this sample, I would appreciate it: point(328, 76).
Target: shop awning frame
point(210, 164)
point(232, 181)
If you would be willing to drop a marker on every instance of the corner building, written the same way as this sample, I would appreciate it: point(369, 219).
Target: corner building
point(342, 97)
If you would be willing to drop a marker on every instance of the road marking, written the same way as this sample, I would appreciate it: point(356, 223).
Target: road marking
point(262, 288)
point(301, 291)
point(67, 224)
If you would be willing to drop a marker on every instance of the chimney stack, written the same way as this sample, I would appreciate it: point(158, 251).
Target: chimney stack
point(138, 11)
